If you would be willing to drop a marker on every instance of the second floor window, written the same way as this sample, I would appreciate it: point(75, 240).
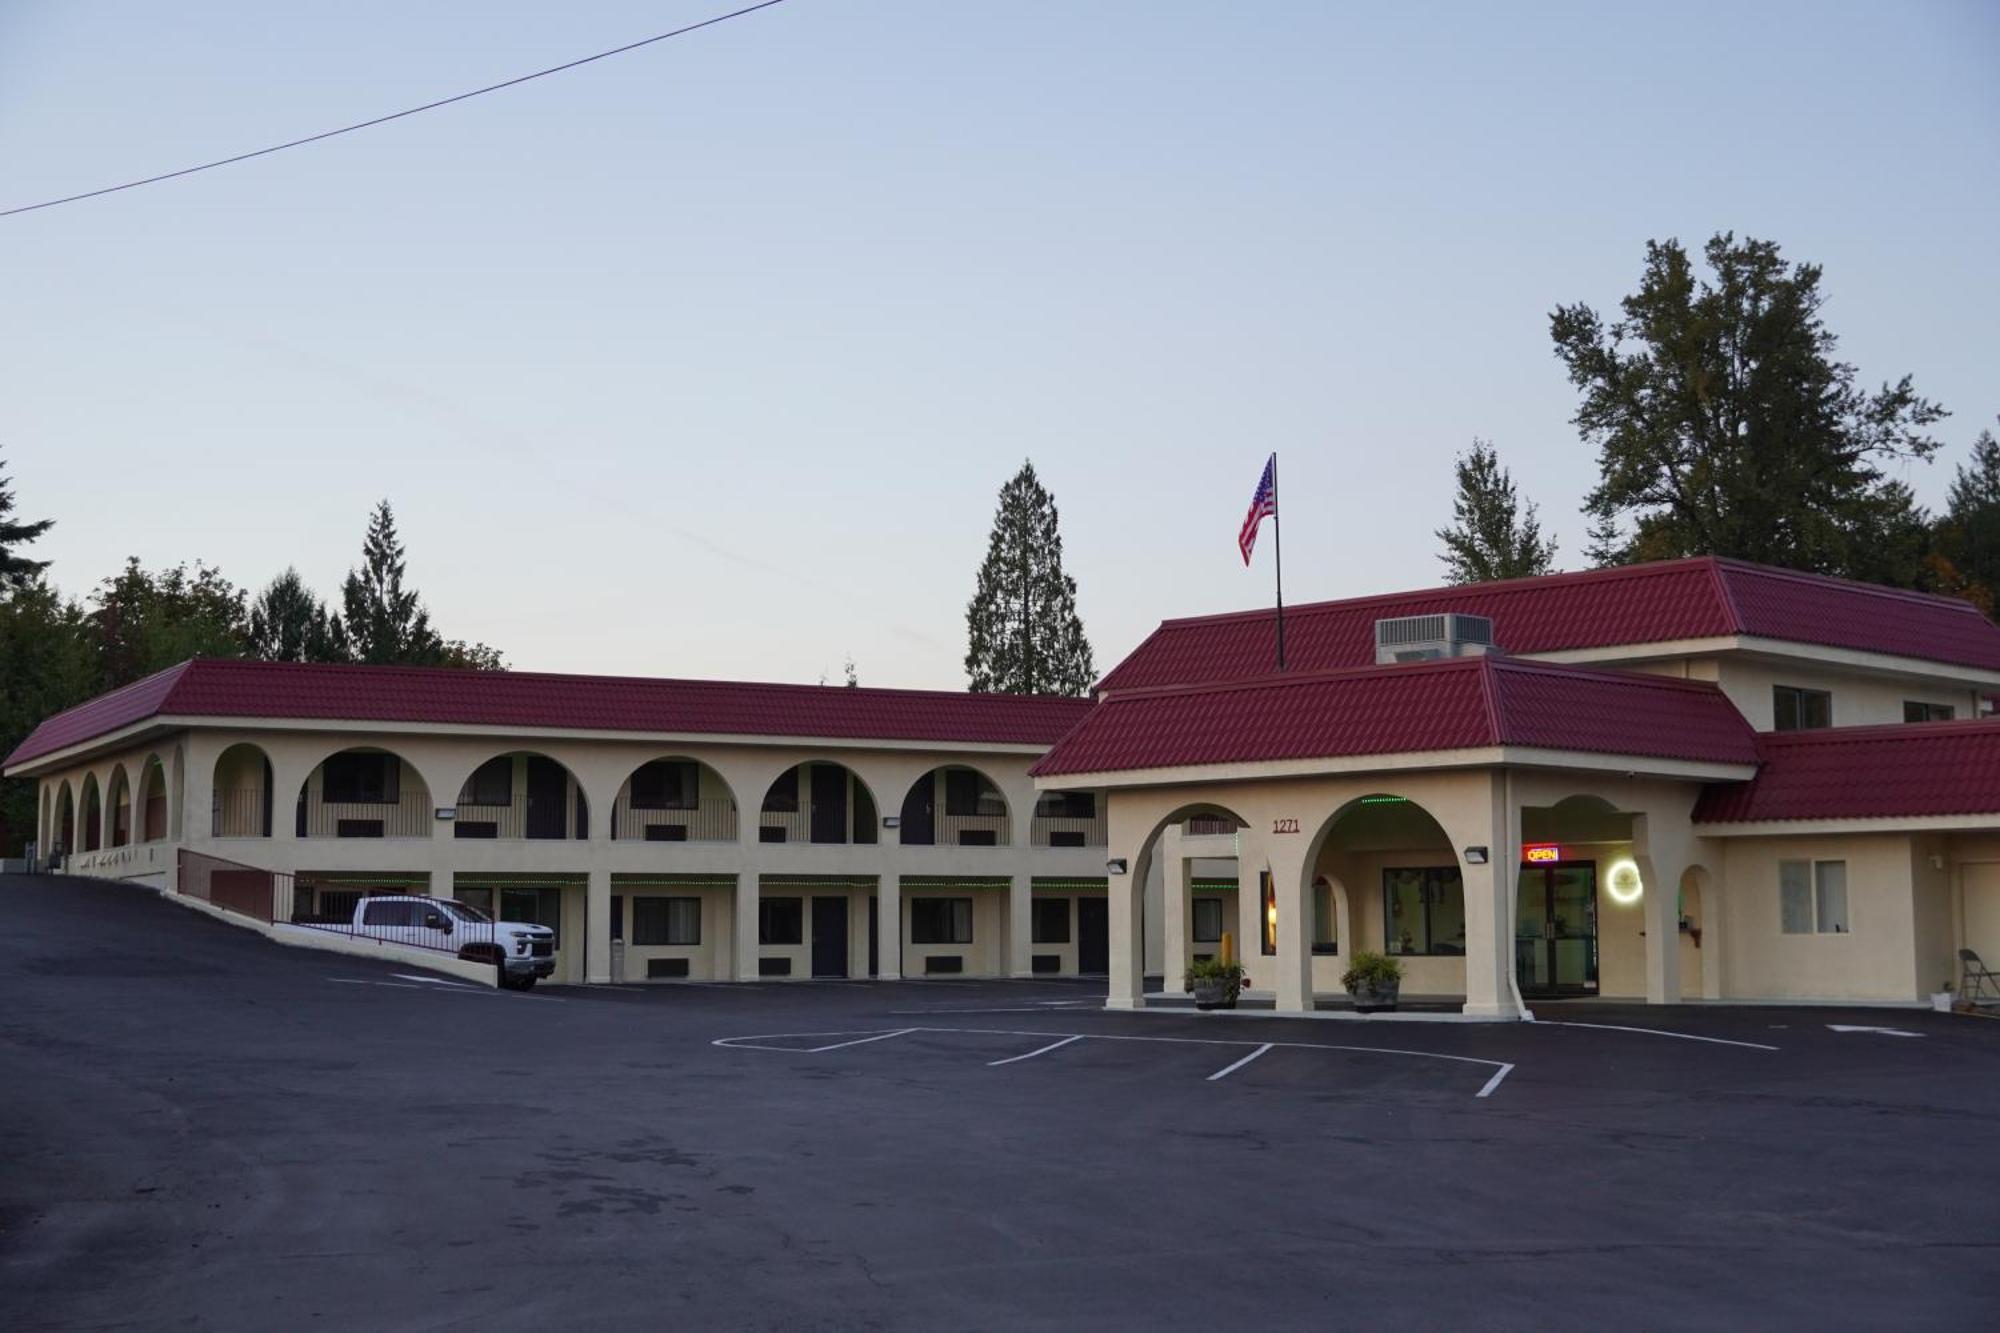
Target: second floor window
point(1915, 710)
point(360, 779)
point(1794, 708)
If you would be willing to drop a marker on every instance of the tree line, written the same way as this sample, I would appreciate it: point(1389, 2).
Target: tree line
point(57, 651)
point(1725, 423)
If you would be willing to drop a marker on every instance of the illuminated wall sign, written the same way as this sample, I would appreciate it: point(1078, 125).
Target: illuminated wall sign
point(1541, 853)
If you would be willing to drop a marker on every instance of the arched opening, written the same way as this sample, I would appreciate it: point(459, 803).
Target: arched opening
point(93, 814)
point(521, 794)
point(1579, 917)
point(152, 800)
point(818, 802)
point(240, 806)
point(954, 805)
point(119, 800)
point(364, 792)
point(63, 834)
point(1694, 905)
point(1184, 899)
point(1390, 865)
point(674, 799)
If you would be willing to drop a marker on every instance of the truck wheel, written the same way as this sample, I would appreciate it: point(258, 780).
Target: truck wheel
point(510, 982)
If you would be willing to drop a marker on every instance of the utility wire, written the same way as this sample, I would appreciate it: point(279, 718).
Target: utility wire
point(394, 115)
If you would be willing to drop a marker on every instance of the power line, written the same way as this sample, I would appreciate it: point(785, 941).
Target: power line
point(394, 115)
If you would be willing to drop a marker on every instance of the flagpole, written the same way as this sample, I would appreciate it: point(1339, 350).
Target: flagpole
point(1278, 562)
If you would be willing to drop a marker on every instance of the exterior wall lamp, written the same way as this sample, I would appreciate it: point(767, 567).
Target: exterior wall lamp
point(1115, 866)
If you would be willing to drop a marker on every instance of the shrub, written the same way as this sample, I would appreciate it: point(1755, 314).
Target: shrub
point(1371, 970)
point(1214, 969)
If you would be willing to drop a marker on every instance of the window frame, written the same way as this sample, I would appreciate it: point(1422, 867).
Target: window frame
point(1044, 907)
point(1433, 881)
point(1810, 907)
point(504, 765)
point(771, 914)
point(1330, 919)
point(957, 913)
point(1194, 919)
point(1929, 712)
point(389, 768)
point(654, 921)
point(683, 792)
point(783, 796)
point(1799, 697)
point(1066, 805)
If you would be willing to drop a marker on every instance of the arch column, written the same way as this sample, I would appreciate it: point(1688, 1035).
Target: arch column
point(1174, 908)
point(1663, 850)
point(1128, 826)
point(1489, 900)
point(1291, 886)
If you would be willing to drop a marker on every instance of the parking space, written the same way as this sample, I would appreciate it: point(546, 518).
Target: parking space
point(207, 1130)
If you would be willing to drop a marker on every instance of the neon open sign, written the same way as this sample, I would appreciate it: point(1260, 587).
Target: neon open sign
point(1541, 853)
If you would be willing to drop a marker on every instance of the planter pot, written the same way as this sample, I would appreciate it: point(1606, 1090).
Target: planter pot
point(1214, 995)
point(1941, 1001)
point(1376, 998)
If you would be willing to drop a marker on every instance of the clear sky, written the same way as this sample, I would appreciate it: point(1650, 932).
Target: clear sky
point(709, 360)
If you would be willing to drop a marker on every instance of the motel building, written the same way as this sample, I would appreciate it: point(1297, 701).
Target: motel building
point(1691, 780)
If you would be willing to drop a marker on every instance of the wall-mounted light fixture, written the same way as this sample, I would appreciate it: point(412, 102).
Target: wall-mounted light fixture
point(892, 821)
point(1622, 883)
point(1475, 856)
point(1115, 866)
point(1270, 892)
point(447, 812)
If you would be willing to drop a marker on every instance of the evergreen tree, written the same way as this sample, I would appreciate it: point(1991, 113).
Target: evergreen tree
point(15, 568)
point(1023, 634)
point(386, 623)
point(1490, 536)
point(851, 678)
point(46, 665)
point(141, 622)
point(289, 623)
point(1725, 425)
point(1966, 558)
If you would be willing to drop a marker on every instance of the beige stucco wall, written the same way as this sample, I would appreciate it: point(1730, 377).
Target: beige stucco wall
point(1860, 698)
point(1875, 960)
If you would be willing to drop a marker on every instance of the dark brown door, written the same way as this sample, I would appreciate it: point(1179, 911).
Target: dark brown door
point(1093, 936)
point(829, 941)
point(548, 794)
point(829, 802)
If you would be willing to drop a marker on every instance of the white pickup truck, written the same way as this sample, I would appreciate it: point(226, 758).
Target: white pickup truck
point(524, 953)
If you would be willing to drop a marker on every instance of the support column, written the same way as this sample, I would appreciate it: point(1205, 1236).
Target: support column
point(596, 928)
point(1126, 988)
point(1661, 857)
point(889, 928)
point(1020, 926)
point(1715, 932)
point(1294, 899)
point(1174, 904)
point(1489, 903)
point(745, 932)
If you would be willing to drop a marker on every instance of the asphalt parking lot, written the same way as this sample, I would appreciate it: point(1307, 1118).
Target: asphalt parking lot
point(202, 1130)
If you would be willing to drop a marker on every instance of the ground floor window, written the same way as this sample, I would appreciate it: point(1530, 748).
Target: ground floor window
point(781, 921)
point(672, 921)
point(1207, 921)
point(1423, 910)
point(941, 920)
point(1326, 929)
point(1051, 922)
point(1812, 897)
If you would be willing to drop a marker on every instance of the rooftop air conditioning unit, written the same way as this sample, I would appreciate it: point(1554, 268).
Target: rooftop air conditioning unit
point(1423, 638)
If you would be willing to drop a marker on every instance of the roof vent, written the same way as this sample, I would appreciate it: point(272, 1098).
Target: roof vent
point(1423, 638)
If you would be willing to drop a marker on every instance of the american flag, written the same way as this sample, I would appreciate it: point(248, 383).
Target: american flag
point(1262, 505)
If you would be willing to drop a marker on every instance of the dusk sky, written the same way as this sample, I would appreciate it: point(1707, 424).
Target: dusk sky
point(709, 360)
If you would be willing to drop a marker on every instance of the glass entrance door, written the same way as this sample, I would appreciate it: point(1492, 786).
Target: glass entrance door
point(1555, 929)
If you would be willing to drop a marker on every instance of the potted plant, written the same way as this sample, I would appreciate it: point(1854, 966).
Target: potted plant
point(1941, 998)
point(1373, 980)
point(1214, 983)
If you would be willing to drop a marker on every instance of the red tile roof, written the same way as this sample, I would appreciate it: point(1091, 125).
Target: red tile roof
point(1909, 770)
point(1459, 703)
point(1633, 604)
point(235, 689)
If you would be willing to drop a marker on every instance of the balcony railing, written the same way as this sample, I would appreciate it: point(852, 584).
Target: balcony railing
point(550, 818)
point(408, 817)
point(710, 820)
point(238, 814)
point(1058, 831)
point(784, 826)
point(972, 830)
point(1211, 826)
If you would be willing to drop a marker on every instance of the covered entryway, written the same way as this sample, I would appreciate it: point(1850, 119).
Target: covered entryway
point(1555, 934)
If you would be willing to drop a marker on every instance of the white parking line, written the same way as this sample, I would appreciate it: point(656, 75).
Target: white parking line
point(1052, 1046)
point(434, 981)
point(1657, 1032)
point(760, 1042)
point(1227, 1070)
